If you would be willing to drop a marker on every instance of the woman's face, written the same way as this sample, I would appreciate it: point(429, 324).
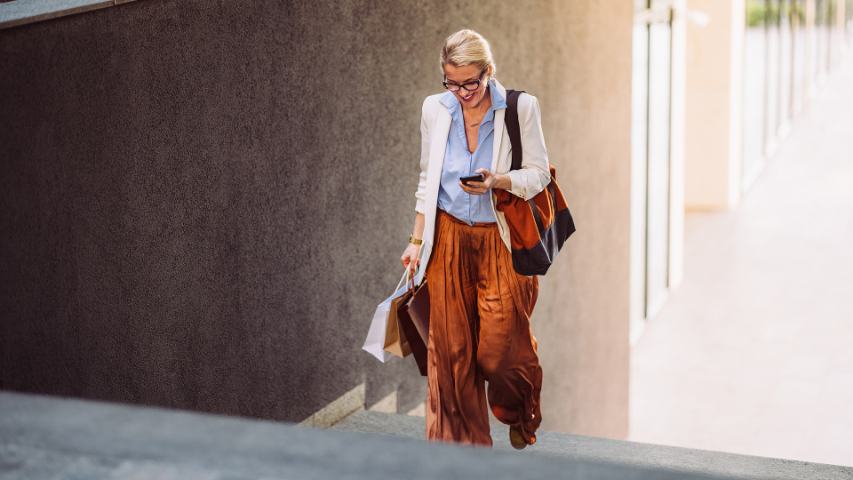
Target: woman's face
point(468, 73)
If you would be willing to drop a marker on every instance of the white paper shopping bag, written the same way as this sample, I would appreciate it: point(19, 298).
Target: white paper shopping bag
point(374, 344)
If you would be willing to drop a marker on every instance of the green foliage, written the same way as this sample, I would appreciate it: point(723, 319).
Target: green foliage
point(761, 12)
point(756, 11)
point(798, 12)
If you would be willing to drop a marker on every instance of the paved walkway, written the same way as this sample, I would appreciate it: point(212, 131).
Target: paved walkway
point(753, 353)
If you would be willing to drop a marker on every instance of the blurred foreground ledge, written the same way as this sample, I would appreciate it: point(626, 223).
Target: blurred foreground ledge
point(51, 437)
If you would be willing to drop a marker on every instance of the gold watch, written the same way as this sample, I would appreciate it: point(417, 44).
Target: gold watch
point(415, 241)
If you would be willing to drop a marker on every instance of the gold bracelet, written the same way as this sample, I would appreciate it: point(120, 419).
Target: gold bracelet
point(415, 241)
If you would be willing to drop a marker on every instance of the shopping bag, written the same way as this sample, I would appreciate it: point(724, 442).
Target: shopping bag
point(374, 343)
point(413, 313)
point(395, 338)
point(419, 309)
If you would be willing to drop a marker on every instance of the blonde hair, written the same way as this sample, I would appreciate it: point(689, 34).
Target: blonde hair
point(467, 47)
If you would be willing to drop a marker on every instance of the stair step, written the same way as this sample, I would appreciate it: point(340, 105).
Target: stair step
point(44, 437)
point(618, 452)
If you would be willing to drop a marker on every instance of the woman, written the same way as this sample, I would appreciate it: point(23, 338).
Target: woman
point(479, 306)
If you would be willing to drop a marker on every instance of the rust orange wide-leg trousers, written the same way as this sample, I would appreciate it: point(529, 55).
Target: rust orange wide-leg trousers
point(479, 332)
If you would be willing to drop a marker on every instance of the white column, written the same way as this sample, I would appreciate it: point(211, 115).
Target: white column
point(713, 106)
point(677, 143)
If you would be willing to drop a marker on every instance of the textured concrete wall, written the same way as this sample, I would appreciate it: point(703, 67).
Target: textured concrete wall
point(204, 201)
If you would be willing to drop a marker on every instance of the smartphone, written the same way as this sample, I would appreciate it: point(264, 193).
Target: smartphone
point(472, 178)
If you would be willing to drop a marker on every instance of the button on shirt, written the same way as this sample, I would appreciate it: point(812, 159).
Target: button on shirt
point(459, 162)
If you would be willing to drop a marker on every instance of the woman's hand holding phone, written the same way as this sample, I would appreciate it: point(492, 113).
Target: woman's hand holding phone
point(472, 178)
point(489, 181)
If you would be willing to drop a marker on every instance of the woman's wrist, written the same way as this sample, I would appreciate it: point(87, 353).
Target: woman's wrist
point(415, 240)
point(502, 181)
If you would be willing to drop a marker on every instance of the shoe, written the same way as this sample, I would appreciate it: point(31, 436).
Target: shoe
point(516, 439)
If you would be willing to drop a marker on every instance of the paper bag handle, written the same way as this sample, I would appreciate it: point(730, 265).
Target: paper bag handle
point(406, 276)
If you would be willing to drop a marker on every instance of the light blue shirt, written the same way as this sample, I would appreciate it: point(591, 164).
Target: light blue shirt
point(459, 162)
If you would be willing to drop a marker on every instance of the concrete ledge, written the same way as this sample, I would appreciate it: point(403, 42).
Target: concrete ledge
point(632, 455)
point(43, 437)
point(22, 12)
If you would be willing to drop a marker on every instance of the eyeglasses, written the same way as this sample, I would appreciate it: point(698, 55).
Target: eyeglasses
point(468, 86)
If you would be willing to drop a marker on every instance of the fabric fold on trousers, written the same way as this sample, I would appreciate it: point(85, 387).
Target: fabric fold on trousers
point(479, 332)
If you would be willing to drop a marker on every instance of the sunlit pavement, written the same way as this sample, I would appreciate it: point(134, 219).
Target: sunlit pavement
point(753, 353)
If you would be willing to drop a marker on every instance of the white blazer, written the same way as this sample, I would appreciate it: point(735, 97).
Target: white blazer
point(529, 180)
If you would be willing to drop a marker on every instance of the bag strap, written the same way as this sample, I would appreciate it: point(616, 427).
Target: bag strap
point(512, 126)
point(514, 130)
point(404, 279)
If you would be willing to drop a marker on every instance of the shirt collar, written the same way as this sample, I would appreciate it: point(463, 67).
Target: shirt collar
point(498, 99)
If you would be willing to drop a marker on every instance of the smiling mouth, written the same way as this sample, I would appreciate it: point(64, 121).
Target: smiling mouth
point(468, 97)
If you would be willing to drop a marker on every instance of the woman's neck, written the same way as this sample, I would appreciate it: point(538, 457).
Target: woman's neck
point(484, 105)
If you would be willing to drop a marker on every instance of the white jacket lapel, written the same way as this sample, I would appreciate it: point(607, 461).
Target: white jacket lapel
point(498, 129)
point(438, 144)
